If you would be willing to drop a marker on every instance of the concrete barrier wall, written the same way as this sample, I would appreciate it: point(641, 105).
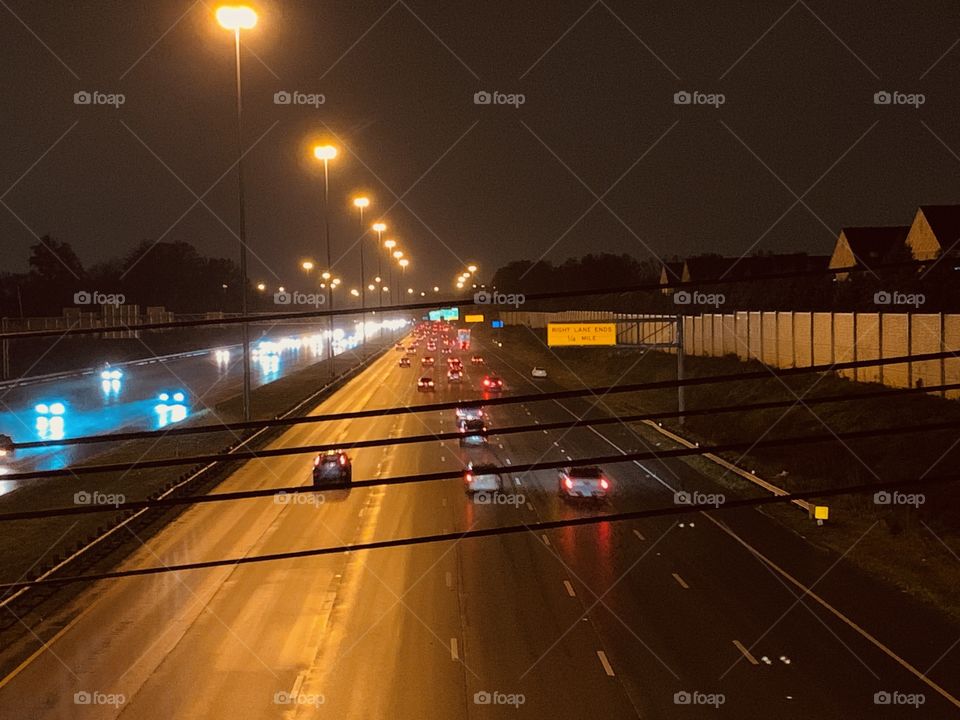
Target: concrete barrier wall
point(795, 339)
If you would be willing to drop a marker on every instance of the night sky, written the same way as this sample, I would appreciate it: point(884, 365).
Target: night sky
point(463, 182)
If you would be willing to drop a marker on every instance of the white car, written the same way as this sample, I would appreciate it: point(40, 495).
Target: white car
point(583, 482)
point(539, 372)
point(482, 478)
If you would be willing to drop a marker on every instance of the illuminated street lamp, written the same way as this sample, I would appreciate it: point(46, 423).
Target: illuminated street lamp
point(326, 153)
point(307, 265)
point(237, 18)
point(361, 203)
point(261, 286)
point(403, 267)
point(472, 268)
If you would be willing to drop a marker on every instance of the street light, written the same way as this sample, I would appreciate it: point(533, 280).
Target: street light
point(307, 265)
point(361, 203)
point(237, 18)
point(403, 267)
point(379, 228)
point(261, 286)
point(326, 153)
point(472, 268)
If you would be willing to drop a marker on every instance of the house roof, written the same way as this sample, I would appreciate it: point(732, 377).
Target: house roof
point(944, 221)
point(671, 271)
point(874, 243)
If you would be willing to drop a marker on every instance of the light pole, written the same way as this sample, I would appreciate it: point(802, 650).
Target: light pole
point(326, 153)
point(390, 245)
point(361, 203)
point(237, 18)
point(397, 254)
point(403, 267)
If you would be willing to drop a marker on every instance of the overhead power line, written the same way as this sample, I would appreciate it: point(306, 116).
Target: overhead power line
point(505, 400)
point(742, 446)
point(488, 532)
point(462, 302)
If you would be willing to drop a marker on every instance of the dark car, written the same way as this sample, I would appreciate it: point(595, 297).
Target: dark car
point(404, 362)
point(425, 384)
point(332, 467)
point(492, 383)
point(471, 433)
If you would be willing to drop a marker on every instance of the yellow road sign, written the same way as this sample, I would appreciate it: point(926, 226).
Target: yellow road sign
point(581, 334)
point(473, 318)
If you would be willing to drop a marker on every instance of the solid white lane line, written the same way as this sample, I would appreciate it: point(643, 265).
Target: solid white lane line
point(569, 587)
point(301, 676)
point(680, 581)
point(454, 650)
point(807, 592)
point(637, 533)
point(509, 462)
point(530, 507)
point(546, 540)
point(746, 653)
point(606, 663)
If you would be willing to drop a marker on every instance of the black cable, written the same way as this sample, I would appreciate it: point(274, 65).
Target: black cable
point(492, 402)
point(488, 532)
point(742, 446)
point(463, 302)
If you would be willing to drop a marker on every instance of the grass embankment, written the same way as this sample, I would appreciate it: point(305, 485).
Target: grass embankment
point(910, 547)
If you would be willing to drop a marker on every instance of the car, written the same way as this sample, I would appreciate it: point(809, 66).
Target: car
point(482, 478)
point(470, 433)
point(445, 350)
point(431, 346)
point(404, 362)
point(412, 350)
point(398, 347)
point(454, 375)
point(588, 482)
point(477, 360)
point(108, 372)
point(427, 361)
point(425, 384)
point(469, 412)
point(492, 383)
point(332, 467)
point(538, 372)
point(7, 448)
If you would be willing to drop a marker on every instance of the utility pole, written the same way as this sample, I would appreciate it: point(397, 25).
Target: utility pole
point(681, 401)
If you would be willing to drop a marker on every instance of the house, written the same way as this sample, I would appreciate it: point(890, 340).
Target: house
point(670, 272)
point(935, 232)
point(867, 246)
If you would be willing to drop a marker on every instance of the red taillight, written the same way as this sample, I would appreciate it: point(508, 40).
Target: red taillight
point(569, 483)
point(343, 459)
point(486, 382)
point(316, 460)
point(604, 484)
point(468, 477)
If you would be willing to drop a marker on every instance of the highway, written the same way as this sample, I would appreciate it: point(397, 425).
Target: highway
point(729, 611)
point(93, 405)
